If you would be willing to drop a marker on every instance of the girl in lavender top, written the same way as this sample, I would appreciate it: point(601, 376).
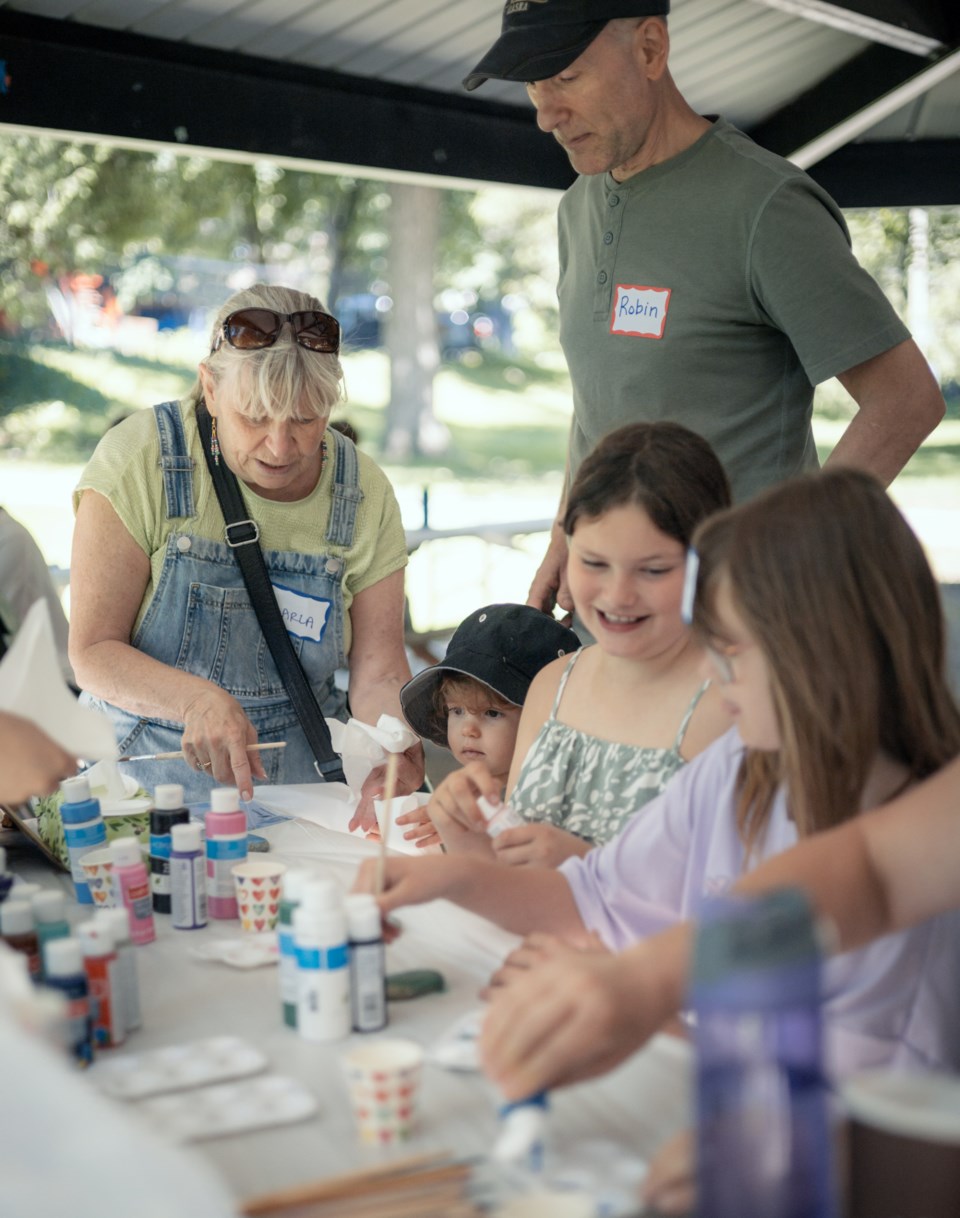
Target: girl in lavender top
point(823, 624)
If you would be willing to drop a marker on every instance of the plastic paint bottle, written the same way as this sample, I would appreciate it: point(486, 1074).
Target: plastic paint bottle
point(6, 879)
point(168, 810)
point(294, 882)
point(498, 816)
point(116, 925)
point(323, 965)
point(48, 915)
point(188, 879)
point(763, 1138)
point(368, 980)
point(100, 965)
point(83, 830)
point(65, 973)
point(18, 931)
point(522, 1129)
point(226, 825)
point(132, 886)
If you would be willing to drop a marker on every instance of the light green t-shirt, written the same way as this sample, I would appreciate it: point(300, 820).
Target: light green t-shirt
point(125, 470)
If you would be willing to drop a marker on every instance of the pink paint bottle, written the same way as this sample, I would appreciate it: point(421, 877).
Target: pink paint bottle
point(226, 826)
point(131, 884)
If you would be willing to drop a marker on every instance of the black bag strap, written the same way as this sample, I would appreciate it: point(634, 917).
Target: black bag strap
point(242, 535)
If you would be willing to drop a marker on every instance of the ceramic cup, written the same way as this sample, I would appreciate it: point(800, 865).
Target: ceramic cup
point(903, 1145)
point(383, 1078)
point(257, 883)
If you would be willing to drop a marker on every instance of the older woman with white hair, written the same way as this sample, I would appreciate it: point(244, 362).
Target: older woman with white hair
point(163, 634)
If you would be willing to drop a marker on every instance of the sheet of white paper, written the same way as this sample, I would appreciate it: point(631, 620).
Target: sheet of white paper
point(106, 782)
point(363, 746)
point(31, 686)
point(387, 820)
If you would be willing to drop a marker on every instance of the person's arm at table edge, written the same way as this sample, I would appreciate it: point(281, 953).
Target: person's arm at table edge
point(899, 403)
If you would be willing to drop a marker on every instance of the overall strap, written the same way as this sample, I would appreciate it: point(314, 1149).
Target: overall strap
point(346, 490)
point(175, 462)
point(242, 535)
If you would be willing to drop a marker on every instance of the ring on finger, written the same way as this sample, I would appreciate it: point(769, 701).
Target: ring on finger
point(204, 765)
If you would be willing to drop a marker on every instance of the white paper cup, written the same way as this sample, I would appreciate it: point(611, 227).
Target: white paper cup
point(903, 1145)
point(383, 1078)
point(258, 884)
point(97, 868)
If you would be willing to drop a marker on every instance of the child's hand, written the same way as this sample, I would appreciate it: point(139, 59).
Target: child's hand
point(422, 829)
point(537, 845)
point(406, 881)
point(670, 1186)
point(539, 949)
point(409, 778)
point(455, 799)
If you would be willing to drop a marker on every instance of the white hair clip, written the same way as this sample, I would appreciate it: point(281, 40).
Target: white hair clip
point(690, 586)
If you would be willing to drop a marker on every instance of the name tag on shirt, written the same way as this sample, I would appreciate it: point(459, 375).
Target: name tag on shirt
point(639, 312)
point(304, 616)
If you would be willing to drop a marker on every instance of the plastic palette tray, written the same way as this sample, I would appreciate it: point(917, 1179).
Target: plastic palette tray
point(177, 1068)
point(230, 1108)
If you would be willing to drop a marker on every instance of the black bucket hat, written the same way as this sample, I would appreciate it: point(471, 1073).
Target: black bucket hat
point(539, 38)
point(502, 646)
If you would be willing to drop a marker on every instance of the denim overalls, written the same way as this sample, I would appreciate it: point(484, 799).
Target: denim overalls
point(200, 621)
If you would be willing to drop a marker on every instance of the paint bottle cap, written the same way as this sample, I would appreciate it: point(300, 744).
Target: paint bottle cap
point(318, 893)
point(22, 891)
point(113, 925)
point(96, 938)
point(125, 852)
point(168, 796)
point(185, 838)
point(16, 918)
point(63, 958)
point(363, 916)
point(224, 799)
point(294, 881)
point(48, 906)
point(75, 790)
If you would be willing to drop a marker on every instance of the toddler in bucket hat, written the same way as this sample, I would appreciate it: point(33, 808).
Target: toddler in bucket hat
point(470, 703)
point(540, 38)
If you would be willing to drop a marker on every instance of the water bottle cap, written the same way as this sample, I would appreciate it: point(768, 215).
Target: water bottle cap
point(185, 838)
point(168, 796)
point(63, 958)
point(75, 790)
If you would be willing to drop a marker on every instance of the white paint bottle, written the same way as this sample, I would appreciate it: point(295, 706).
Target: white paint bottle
point(323, 972)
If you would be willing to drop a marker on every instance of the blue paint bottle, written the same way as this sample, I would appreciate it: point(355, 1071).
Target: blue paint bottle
point(83, 830)
point(66, 974)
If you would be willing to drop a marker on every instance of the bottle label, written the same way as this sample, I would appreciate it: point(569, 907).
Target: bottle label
point(222, 854)
point(323, 957)
point(188, 896)
point(160, 845)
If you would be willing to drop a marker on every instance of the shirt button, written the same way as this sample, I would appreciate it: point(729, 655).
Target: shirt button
point(613, 200)
point(183, 544)
point(332, 566)
point(602, 277)
point(608, 238)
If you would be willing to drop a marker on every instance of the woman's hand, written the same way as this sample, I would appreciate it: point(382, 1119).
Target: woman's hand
point(216, 737)
point(538, 845)
point(569, 1014)
point(30, 762)
point(409, 779)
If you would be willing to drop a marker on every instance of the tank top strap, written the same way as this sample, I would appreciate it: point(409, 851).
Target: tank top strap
point(688, 715)
point(176, 464)
point(563, 682)
point(347, 494)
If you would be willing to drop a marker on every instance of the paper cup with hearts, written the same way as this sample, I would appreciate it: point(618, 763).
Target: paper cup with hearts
point(383, 1078)
point(258, 883)
point(97, 867)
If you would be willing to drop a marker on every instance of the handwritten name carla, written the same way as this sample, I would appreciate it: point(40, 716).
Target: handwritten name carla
point(298, 619)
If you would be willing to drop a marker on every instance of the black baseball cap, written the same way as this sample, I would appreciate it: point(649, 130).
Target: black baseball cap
point(502, 646)
point(539, 38)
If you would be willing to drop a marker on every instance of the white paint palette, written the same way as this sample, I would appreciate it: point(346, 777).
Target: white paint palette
point(177, 1068)
point(239, 1107)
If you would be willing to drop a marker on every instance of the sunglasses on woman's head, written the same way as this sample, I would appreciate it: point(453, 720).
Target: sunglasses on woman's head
point(254, 329)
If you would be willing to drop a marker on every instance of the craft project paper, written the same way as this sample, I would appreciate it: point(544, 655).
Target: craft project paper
point(32, 686)
point(363, 746)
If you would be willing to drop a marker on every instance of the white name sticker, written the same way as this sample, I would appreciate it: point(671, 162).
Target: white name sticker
point(639, 312)
point(304, 616)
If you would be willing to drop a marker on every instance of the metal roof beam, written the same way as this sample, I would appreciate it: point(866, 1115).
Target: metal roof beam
point(84, 81)
point(919, 27)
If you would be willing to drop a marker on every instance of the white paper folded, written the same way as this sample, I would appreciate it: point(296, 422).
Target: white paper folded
point(32, 686)
point(363, 746)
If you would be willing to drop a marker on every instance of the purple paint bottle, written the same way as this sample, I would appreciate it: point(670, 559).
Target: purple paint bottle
point(226, 825)
point(188, 879)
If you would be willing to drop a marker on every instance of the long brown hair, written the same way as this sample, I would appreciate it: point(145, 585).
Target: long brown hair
point(834, 586)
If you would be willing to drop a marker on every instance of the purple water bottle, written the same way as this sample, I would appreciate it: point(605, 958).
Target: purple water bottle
point(764, 1145)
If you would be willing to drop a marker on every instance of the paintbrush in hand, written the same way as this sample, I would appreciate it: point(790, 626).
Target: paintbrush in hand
point(389, 787)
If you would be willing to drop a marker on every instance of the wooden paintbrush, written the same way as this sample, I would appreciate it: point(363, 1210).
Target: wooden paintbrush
point(389, 787)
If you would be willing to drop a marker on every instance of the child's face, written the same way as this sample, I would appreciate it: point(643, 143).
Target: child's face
point(735, 661)
point(481, 730)
point(626, 580)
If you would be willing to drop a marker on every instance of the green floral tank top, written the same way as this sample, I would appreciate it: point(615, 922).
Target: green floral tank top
point(590, 786)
